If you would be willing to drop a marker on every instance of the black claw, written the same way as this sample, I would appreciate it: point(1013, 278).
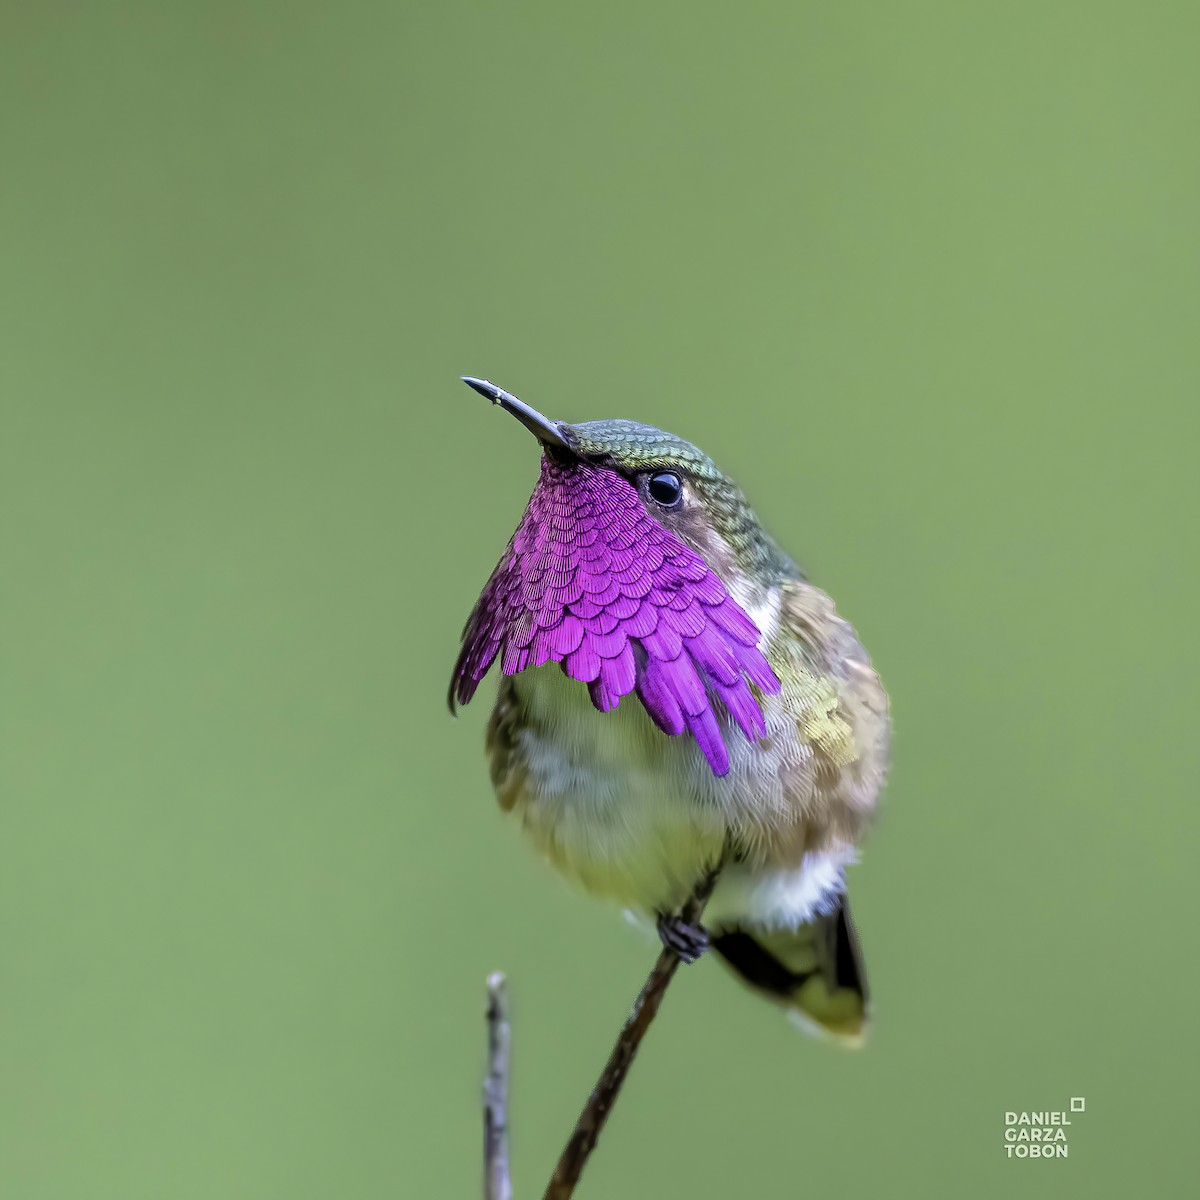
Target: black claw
point(687, 942)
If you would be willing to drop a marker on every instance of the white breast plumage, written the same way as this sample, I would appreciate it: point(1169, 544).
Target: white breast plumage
point(637, 816)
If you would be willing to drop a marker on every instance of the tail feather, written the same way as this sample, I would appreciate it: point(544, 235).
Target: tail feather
point(815, 971)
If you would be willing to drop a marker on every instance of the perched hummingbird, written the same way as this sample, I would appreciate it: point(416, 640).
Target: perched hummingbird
point(676, 695)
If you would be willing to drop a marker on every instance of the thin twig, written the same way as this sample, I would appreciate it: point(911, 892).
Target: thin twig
point(496, 1182)
point(604, 1095)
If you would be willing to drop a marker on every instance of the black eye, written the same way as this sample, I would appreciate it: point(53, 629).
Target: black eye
point(665, 488)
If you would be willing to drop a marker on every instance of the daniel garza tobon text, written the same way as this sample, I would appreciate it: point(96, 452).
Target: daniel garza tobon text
point(1036, 1134)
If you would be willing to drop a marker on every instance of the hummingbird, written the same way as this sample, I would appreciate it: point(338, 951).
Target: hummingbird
point(675, 695)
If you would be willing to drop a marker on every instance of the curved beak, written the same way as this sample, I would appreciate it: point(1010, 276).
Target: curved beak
point(546, 431)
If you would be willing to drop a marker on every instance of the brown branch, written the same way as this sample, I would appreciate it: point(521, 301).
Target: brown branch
point(604, 1095)
point(496, 1182)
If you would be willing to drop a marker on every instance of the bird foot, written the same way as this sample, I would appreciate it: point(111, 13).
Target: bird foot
point(686, 941)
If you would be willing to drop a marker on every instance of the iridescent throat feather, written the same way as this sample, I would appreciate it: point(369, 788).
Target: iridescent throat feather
point(592, 581)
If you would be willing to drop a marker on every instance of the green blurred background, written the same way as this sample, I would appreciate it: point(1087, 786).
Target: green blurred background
point(922, 276)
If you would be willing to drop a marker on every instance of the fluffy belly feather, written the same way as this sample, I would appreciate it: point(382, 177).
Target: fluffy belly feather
point(638, 817)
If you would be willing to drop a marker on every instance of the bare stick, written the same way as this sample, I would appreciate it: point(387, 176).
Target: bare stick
point(496, 1182)
point(604, 1095)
